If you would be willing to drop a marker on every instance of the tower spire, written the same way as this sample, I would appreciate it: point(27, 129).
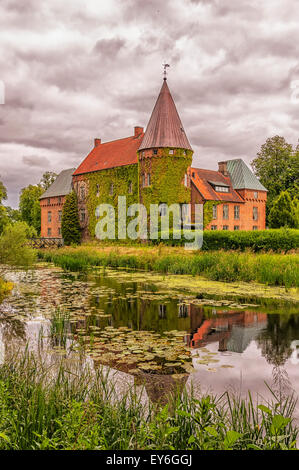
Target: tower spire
point(165, 128)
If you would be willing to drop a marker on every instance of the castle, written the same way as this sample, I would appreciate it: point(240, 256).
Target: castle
point(155, 166)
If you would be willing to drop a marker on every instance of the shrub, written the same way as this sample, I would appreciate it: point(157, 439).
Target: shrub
point(70, 226)
point(279, 240)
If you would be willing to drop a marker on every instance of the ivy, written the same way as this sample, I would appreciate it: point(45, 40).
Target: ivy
point(208, 211)
point(99, 190)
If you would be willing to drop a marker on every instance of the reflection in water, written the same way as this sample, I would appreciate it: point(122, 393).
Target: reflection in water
point(241, 348)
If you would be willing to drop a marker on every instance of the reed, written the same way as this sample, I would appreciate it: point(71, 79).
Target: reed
point(229, 266)
point(43, 408)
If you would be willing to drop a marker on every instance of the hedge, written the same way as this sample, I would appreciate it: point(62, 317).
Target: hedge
point(278, 240)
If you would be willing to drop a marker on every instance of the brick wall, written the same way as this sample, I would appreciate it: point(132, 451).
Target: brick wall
point(51, 212)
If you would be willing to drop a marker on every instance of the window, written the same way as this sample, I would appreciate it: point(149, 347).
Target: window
point(130, 188)
point(236, 227)
point(49, 200)
point(186, 180)
point(111, 189)
point(184, 152)
point(237, 212)
point(162, 311)
point(255, 195)
point(255, 227)
point(82, 215)
point(143, 180)
point(214, 212)
point(59, 230)
point(59, 215)
point(155, 152)
point(82, 192)
point(143, 153)
point(213, 227)
point(98, 190)
point(222, 189)
point(193, 174)
point(183, 311)
point(49, 216)
point(163, 209)
point(255, 213)
point(225, 227)
point(148, 179)
point(49, 232)
point(59, 200)
point(225, 211)
point(171, 152)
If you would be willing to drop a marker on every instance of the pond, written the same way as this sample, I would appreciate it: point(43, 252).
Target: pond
point(121, 319)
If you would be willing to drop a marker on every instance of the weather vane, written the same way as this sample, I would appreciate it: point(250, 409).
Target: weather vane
point(165, 73)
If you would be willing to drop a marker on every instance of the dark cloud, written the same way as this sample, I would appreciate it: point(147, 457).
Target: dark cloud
point(78, 70)
point(36, 161)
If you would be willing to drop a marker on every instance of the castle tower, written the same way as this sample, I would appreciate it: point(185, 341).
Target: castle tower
point(164, 156)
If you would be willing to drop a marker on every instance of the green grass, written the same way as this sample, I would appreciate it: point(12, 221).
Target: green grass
point(265, 268)
point(45, 408)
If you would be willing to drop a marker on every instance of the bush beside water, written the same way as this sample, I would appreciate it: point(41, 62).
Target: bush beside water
point(281, 240)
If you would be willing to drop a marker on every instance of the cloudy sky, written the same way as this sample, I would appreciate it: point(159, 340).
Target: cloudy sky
point(74, 70)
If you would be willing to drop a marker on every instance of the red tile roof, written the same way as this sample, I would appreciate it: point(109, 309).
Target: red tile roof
point(119, 152)
point(201, 181)
point(165, 128)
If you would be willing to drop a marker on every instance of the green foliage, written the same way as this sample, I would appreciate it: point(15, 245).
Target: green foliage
point(208, 211)
point(29, 205)
point(85, 410)
point(272, 269)
point(99, 185)
point(282, 213)
point(277, 167)
point(47, 179)
point(3, 192)
point(167, 176)
point(70, 226)
point(13, 249)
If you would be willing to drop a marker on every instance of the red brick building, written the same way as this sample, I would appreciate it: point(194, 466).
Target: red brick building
point(240, 199)
point(51, 203)
point(155, 167)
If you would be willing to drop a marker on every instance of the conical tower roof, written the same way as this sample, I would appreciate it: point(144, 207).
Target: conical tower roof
point(165, 128)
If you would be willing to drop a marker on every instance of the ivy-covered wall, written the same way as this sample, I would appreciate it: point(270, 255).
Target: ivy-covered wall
point(99, 187)
point(167, 177)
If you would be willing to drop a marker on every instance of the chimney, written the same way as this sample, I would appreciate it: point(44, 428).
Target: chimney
point(97, 142)
point(137, 131)
point(222, 168)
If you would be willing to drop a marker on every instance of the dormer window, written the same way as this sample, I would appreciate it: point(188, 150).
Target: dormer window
point(221, 189)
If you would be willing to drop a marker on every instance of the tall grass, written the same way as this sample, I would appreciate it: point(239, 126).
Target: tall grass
point(46, 409)
point(266, 268)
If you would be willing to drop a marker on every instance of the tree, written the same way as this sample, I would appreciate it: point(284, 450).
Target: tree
point(70, 226)
point(282, 213)
point(47, 179)
point(13, 248)
point(30, 207)
point(3, 212)
point(3, 192)
point(277, 167)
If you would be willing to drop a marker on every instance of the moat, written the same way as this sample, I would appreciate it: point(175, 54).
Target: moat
point(144, 331)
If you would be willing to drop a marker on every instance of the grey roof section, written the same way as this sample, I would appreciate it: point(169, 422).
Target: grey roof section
point(61, 186)
point(241, 337)
point(242, 177)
